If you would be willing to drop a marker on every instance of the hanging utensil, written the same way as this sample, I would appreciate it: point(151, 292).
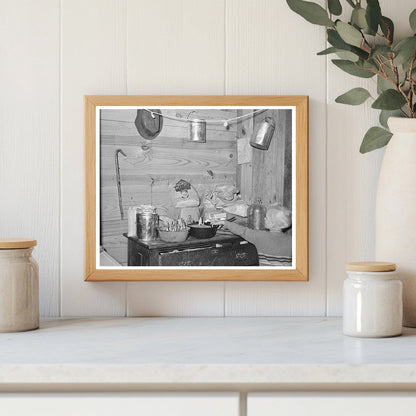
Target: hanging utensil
point(264, 134)
point(120, 202)
point(198, 131)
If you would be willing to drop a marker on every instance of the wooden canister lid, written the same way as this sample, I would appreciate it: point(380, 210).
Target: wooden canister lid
point(371, 266)
point(11, 243)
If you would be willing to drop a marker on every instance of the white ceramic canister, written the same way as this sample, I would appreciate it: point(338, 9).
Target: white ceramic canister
point(19, 286)
point(372, 300)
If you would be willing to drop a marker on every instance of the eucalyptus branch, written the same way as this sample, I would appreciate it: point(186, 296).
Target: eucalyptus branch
point(370, 70)
point(366, 39)
point(385, 75)
point(406, 97)
point(381, 65)
point(395, 71)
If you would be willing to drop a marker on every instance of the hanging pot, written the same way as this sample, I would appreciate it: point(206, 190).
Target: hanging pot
point(264, 134)
point(396, 209)
point(149, 123)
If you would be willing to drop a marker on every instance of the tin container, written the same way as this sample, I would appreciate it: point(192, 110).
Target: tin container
point(264, 134)
point(147, 224)
point(19, 286)
point(198, 131)
point(372, 300)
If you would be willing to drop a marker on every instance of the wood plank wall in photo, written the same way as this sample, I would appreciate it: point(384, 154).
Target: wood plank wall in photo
point(148, 176)
point(268, 176)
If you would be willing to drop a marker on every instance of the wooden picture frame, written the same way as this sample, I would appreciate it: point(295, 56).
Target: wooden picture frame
point(95, 156)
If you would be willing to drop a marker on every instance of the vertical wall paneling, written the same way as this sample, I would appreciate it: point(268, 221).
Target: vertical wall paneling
point(352, 177)
point(175, 47)
point(29, 135)
point(267, 55)
point(175, 299)
point(54, 52)
point(269, 166)
point(245, 166)
point(93, 61)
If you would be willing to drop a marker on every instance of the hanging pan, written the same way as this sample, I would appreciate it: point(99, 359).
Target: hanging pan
point(149, 123)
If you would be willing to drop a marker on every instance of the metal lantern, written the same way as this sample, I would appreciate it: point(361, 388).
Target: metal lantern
point(198, 131)
point(264, 134)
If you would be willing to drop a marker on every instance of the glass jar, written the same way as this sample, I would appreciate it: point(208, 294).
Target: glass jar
point(19, 286)
point(372, 300)
point(256, 215)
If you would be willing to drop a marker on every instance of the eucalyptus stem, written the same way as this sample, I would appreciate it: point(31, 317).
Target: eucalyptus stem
point(366, 45)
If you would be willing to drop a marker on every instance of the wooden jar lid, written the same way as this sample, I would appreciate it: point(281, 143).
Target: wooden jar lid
point(371, 266)
point(11, 243)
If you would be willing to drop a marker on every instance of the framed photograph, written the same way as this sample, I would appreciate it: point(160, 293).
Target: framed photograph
point(196, 188)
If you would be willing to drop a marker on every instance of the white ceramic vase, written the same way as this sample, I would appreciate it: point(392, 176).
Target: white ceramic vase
point(396, 210)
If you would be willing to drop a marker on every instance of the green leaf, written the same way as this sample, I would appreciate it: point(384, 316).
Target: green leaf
point(381, 50)
point(375, 138)
point(358, 18)
point(349, 34)
point(386, 114)
point(383, 84)
point(334, 7)
point(336, 41)
point(356, 96)
point(412, 20)
point(348, 56)
point(327, 51)
point(370, 65)
point(311, 12)
point(389, 100)
point(352, 68)
point(373, 15)
point(387, 27)
point(405, 50)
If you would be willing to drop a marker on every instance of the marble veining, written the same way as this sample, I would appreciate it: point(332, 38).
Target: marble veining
point(203, 350)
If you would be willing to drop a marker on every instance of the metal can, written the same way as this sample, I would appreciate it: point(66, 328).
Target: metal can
point(263, 137)
point(198, 131)
point(147, 225)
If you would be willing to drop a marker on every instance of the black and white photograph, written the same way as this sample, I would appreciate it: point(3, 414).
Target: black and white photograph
point(195, 187)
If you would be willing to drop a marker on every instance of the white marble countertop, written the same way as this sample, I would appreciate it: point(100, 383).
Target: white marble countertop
point(204, 351)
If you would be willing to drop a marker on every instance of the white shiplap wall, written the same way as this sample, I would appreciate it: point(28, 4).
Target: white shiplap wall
point(30, 134)
point(54, 52)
